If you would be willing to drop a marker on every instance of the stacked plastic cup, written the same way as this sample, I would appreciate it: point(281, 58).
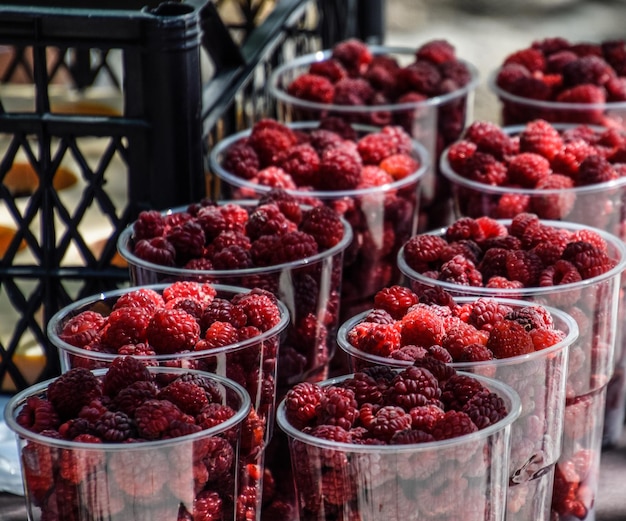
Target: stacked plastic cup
point(85, 478)
point(250, 361)
point(594, 303)
point(539, 378)
point(461, 477)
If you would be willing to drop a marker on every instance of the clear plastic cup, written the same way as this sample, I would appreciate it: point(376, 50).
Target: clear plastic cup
point(310, 288)
point(459, 478)
point(539, 378)
point(132, 480)
point(382, 219)
point(595, 305)
point(435, 122)
point(516, 109)
point(252, 363)
point(599, 205)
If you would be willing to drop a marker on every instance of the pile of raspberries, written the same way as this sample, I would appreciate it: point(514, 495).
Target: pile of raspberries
point(557, 70)
point(426, 402)
point(331, 157)
point(130, 405)
point(541, 159)
point(403, 328)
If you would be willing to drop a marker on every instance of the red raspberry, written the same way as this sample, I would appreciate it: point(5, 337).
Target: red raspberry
point(154, 417)
point(123, 372)
point(338, 407)
point(396, 300)
point(510, 74)
point(542, 138)
point(38, 415)
point(403, 141)
point(241, 160)
point(388, 421)
point(322, 139)
point(421, 76)
point(543, 338)
point(455, 74)
point(331, 69)
point(556, 61)
point(301, 403)
point(146, 298)
point(235, 217)
point(340, 169)
point(475, 353)
point(413, 387)
point(452, 425)
point(532, 59)
point(149, 224)
point(421, 252)
point(595, 169)
point(589, 260)
point(228, 238)
point(458, 335)
point(524, 266)
point(436, 51)
point(372, 176)
point(485, 408)
point(219, 334)
point(353, 92)
point(202, 292)
point(425, 417)
point(399, 166)
point(213, 414)
point(222, 310)
point(157, 250)
point(269, 139)
point(531, 317)
point(288, 204)
point(509, 338)
point(422, 326)
point(527, 169)
point(354, 55)
point(208, 505)
point(375, 147)
point(172, 331)
point(260, 308)
point(616, 89)
point(212, 221)
point(485, 168)
point(301, 163)
point(489, 138)
point(375, 338)
point(324, 225)
point(584, 94)
point(312, 87)
point(81, 329)
point(485, 312)
point(267, 219)
point(567, 160)
point(460, 270)
point(187, 396)
point(458, 155)
point(72, 390)
point(126, 325)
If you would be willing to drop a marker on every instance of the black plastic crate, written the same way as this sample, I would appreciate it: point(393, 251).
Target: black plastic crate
point(128, 100)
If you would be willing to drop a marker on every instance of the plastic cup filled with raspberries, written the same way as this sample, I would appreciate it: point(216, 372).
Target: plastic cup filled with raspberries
point(422, 441)
point(371, 177)
point(427, 90)
point(130, 442)
point(225, 330)
point(568, 266)
point(274, 243)
point(574, 173)
point(564, 82)
point(521, 344)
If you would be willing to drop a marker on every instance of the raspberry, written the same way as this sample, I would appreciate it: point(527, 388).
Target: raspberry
point(301, 162)
point(595, 169)
point(543, 338)
point(270, 142)
point(114, 427)
point(353, 91)
point(421, 76)
point(338, 407)
point(399, 166)
point(531, 317)
point(126, 325)
point(353, 54)
point(294, 246)
point(189, 397)
point(260, 309)
point(489, 138)
point(527, 169)
point(222, 310)
point(510, 74)
point(140, 298)
point(403, 141)
point(188, 240)
point(375, 338)
point(587, 69)
point(493, 263)
point(567, 160)
point(213, 414)
point(436, 51)
point(532, 59)
point(81, 329)
point(154, 417)
point(375, 147)
point(202, 292)
point(540, 137)
point(475, 353)
point(452, 425)
point(396, 300)
point(389, 420)
point(584, 94)
point(219, 334)
point(133, 395)
point(149, 224)
point(324, 225)
point(37, 415)
point(123, 372)
point(616, 89)
point(561, 272)
point(457, 73)
point(301, 403)
point(72, 390)
point(212, 221)
point(422, 326)
point(232, 257)
point(460, 270)
point(274, 177)
point(413, 387)
point(312, 87)
point(267, 219)
point(172, 331)
point(458, 390)
point(459, 335)
point(340, 169)
point(208, 506)
point(228, 238)
point(425, 417)
point(331, 69)
point(463, 229)
point(509, 338)
point(157, 250)
point(557, 61)
point(241, 160)
point(322, 139)
point(485, 408)
point(524, 266)
point(486, 312)
point(588, 259)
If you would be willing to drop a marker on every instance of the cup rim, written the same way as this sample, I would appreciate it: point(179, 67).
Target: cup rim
point(454, 177)
point(126, 235)
point(503, 390)
point(280, 94)
point(562, 105)
point(16, 400)
point(72, 309)
point(572, 335)
point(225, 175)
point(483, 291)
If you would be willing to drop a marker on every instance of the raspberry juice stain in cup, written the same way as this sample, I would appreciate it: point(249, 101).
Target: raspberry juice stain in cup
point(582, 277)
